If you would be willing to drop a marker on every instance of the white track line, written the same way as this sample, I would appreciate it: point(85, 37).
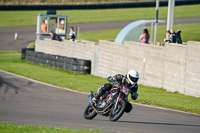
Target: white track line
point(150, 106)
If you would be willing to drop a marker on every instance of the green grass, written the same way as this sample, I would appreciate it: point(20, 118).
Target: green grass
point(95, 36)
point(25, 18)
point(163, 98)
point(10, 61)
point(190, 32)
point(14, 128)
point(31, 45)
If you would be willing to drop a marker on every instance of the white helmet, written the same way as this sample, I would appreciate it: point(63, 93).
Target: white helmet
point(133, 76)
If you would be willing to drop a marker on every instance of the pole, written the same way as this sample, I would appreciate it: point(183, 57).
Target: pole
point(151, 37)
point(79, 34)
point(170, 16)
point(156, 24)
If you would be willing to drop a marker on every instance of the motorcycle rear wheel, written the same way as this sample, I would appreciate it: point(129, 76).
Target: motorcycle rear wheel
point(89, 112)
point(118, 112)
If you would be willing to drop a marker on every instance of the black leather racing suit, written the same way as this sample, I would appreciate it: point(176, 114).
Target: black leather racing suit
point(120, 79)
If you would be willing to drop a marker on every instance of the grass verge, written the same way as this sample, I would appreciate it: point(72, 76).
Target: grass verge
point(189, 32)
point(10, 61)
point(31, 45)
point(25, 18)
point(14, 128)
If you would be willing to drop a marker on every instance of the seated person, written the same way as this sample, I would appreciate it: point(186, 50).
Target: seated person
point(72, 34)
point(172, 36)
point(54, 36)
point(170, 39)
point(178, 37)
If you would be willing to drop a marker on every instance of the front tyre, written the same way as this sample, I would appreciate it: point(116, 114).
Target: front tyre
point(118, 112)
point(89, 112)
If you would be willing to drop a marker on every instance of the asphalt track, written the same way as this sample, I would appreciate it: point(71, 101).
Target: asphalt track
point(26, 34)
point(24, 101)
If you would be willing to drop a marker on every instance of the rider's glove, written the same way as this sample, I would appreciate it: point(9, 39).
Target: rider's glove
point(94, 100)
point(134, 95)
point(123, 80)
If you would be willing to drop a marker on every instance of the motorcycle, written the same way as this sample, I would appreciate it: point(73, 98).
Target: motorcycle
point(112, 103)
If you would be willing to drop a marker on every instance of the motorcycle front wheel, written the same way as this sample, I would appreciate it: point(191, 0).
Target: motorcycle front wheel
point(89, 112)
point(118, 112)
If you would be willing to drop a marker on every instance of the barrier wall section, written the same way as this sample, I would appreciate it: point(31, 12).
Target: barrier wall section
point(174, 67)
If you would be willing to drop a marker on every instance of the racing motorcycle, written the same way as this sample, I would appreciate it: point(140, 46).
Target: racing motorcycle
point(112, 103)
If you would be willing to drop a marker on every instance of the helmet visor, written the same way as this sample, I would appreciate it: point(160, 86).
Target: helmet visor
point(133, 79)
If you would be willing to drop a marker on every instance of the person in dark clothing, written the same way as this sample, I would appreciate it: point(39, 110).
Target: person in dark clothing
point(54, 36)
point(172, 36)
point(72, 34)
point(129, 80)
point(178, 37)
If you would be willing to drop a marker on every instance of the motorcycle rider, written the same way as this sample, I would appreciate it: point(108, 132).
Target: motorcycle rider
point(129, 80)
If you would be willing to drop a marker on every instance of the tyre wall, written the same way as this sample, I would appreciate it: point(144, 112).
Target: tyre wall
point(75, 65)
point(84, 50)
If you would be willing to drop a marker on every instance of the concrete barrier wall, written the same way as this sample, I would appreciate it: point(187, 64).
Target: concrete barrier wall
point(146, 59)
point(192, 75)
point(174, 67)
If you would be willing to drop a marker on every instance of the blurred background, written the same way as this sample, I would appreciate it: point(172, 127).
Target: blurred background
point(46, 2)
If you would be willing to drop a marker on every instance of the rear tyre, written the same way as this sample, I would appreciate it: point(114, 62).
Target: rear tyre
point(118, 112)
point(89, 112)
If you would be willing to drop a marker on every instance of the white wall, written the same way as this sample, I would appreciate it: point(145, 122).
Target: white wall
point(174, 67)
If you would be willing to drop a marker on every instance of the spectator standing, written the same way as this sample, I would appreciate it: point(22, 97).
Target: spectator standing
point(72, 34)
point(144, 37)
point(44, 27)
